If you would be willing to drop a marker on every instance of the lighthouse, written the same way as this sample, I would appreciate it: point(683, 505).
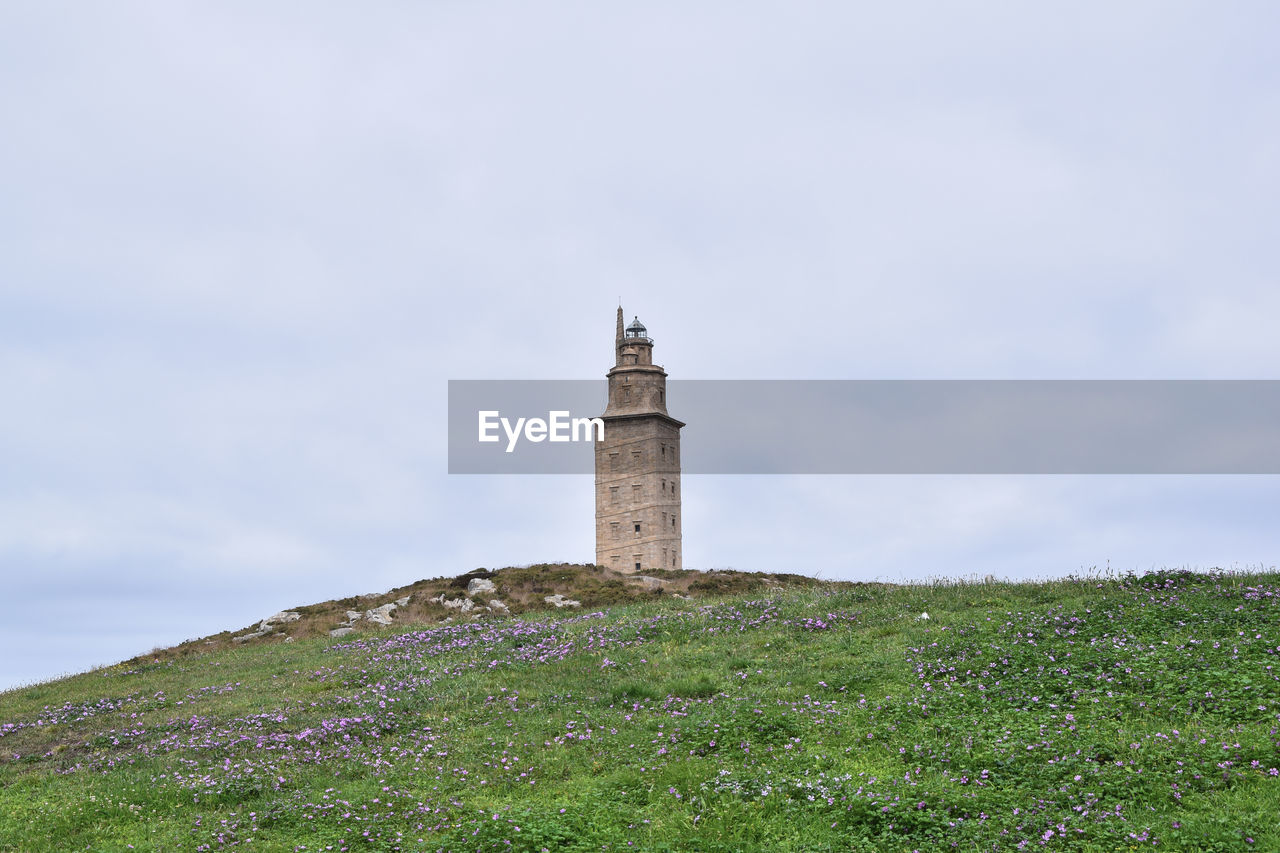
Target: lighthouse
point(638, 521)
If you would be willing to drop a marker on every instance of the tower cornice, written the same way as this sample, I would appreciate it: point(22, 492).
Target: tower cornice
point(618, 369)
point(659, 416)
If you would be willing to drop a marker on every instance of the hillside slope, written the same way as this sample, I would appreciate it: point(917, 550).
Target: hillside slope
point(1088, 714)
point(517, 589)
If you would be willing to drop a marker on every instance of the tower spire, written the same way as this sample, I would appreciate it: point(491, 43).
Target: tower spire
point(619, 335)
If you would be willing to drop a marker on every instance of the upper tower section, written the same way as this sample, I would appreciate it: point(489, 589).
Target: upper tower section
point(637, 386)
point(633, 343)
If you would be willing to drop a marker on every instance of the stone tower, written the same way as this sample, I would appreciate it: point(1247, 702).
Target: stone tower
point(638, 521)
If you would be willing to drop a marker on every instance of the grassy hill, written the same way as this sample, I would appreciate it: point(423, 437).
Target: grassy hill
point(766, 713)
point(521, 590)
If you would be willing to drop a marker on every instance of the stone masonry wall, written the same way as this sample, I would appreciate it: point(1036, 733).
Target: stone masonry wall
point(638, 483)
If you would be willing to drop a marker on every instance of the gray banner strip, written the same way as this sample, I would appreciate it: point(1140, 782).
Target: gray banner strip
point(894, 426)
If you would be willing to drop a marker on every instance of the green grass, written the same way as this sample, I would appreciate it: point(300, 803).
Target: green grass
point(1086, 714)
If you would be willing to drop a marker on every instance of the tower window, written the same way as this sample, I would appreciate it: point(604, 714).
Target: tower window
point(613, 494)
point(673, 522)
point(637, 566)
point(614, 527)
point(613, 462)
point(635, 455)
point(637, 527)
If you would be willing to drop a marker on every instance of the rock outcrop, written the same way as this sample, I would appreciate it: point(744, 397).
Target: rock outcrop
point(462, 605)
point(268, 626)
point(279, 619)
point(480, 585)
point(380, 615)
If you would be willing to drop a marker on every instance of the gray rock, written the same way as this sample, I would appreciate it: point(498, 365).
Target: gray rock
point(340, 632)
point(404, 602)
point(244, 638)
point(496, 605)
point(353, 615)
point(479, 585)
point(279, 619)
point(284, 616)
point(288, 639)
point(463, 605)
point(381, 615)
point(560, 601)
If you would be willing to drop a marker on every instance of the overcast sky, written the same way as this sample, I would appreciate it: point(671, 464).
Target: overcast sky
point(243, 247)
